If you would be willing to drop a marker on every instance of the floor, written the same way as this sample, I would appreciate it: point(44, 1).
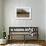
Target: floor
point(21, 45)
point(26, 43)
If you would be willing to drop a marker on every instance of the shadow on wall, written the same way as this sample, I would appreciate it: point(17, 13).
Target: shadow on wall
point(1, 34)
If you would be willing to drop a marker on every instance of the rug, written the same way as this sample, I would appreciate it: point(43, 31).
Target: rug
point(23, 45)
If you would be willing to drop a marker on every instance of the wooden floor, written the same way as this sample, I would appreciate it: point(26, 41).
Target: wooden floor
point(40, 42)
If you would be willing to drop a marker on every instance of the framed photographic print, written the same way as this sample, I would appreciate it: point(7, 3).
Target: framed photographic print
point(23, 12)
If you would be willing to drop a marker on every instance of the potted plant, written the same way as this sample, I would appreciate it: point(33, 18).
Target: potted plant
point(3, 37)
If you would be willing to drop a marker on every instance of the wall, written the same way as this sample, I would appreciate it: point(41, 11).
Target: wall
point(0, 18)
point(45, 19)
point(9, 14)
point(37, 15)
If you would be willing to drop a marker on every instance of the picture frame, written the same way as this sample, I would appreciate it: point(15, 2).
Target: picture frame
point(23, 12)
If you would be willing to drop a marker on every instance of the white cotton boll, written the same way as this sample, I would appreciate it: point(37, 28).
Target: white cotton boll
point(31, 30)
point(32, 34)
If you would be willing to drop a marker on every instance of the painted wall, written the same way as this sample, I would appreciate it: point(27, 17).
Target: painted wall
point(0, 18)
point(37, 15)
point(45, 19)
